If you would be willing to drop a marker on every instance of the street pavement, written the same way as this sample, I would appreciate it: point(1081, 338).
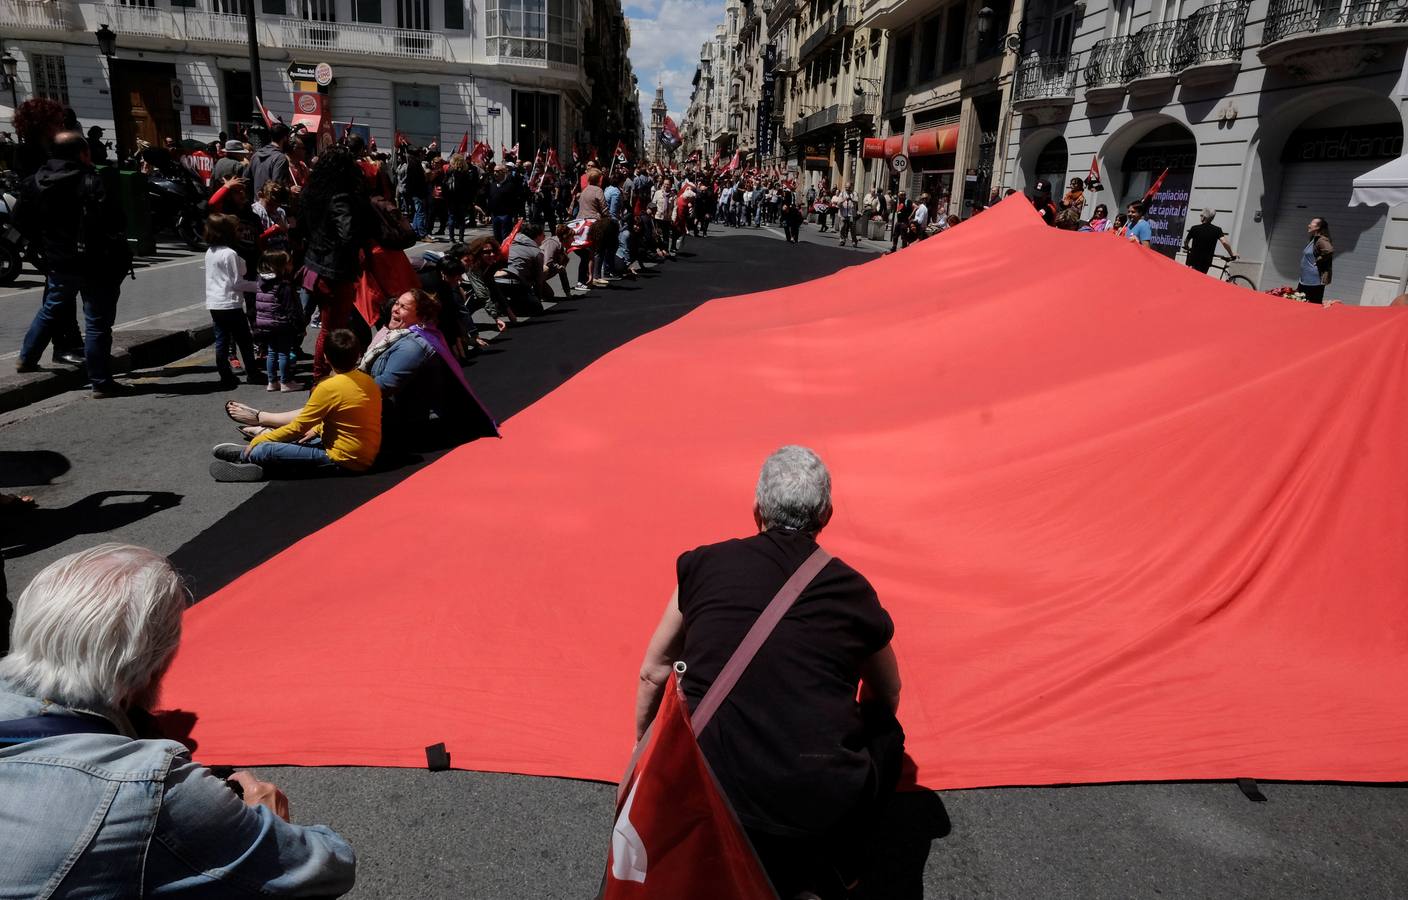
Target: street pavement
point(134, 469)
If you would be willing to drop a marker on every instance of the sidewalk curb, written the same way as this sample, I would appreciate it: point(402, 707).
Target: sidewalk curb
point(131, 350)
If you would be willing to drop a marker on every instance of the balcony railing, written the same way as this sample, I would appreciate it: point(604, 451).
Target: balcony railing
point(819, 119)
point(142, 21)
point(786, 63)
point(1289, 18)
point(1151, 51)
point(1215, 33)
point(780, 12)
point(219, 28)
point(34, 16)
point(818, 37)
point(372, 40)
point(864, 106)
point(1046, 79)
point(1106, 65)
point(846, 17)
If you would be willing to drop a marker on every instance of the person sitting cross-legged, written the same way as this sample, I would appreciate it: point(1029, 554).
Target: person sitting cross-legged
point(338, 430)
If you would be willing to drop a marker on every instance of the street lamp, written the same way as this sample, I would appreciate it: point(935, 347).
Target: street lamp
point(107, 41)
point(858, 90)
point(986, 19)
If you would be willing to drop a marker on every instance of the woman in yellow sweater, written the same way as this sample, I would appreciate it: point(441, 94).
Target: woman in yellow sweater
point(343, 414)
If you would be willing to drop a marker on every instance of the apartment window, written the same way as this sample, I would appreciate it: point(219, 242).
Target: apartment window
point(929, 50)
point(954, 28)
point(1063, 30)
point(413, 14)
point(368, 12)
point(270, 7)
point(904, 49)
point(533, 29)
point(224, 7)
point(324, 10)
point(1121, 18)
point(454, 14)
point(50, 77)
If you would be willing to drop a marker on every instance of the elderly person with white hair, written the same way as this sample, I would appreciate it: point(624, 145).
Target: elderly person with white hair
point(805, 764)
point(88, 808)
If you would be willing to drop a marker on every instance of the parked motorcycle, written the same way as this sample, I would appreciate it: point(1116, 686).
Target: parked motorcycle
point(177, 200)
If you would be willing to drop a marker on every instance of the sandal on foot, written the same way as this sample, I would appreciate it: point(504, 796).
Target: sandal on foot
point(241, 413)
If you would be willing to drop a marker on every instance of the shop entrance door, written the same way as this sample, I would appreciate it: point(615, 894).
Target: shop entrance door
point(1308, 190)
point(141, 103)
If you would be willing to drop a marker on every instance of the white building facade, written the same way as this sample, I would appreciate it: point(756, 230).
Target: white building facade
point(505, 71)
point(1263, 111)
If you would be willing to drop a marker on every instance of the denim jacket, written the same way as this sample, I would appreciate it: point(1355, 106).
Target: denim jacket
point(102, 815)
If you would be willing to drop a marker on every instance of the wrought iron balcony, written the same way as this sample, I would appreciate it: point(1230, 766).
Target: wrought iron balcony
point(1045, 82)
point(781, 11)
point(1105, 70)
point(1212, 42)
point(847, 17)
point(1292, 18)
point(818, 38)
point(785, 64)
point(819, 119)
point(863, 108)
point(1150, 60)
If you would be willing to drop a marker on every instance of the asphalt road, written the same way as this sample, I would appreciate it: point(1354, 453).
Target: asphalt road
point(133, 469)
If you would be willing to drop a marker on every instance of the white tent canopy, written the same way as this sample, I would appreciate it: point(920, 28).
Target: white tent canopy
point(1388, 184)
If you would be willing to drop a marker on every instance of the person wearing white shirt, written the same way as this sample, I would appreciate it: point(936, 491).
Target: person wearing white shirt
point(921, 217)
point(226, 284)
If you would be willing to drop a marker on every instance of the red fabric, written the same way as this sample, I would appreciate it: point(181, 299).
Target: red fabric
point(1137, 524)
point(464, 144)
point(508, 241)
point(675, 836)
point(388, 273)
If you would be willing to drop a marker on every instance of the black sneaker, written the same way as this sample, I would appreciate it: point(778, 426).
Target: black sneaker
point(229, 452)
point(71, 357)
point(24, 368)
point(221, 470)
point(107, 390)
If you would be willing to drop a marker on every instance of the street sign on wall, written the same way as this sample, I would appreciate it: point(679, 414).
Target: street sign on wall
point(899, 163)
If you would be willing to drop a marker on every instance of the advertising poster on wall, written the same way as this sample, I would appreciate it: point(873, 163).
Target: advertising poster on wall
point(1168, 212)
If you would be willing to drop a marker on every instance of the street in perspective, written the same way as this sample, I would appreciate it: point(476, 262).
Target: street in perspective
point(847, 450)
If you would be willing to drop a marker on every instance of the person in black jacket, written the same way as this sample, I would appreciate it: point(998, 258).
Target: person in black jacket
point(66, 210)
point(337, 214)
point(270, 162)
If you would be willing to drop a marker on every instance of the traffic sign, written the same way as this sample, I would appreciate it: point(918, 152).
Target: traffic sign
point(899, 163)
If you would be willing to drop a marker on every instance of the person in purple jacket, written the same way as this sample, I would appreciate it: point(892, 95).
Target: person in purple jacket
point(278, 318)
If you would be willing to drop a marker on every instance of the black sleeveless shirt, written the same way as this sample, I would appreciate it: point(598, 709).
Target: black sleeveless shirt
point(788, 745)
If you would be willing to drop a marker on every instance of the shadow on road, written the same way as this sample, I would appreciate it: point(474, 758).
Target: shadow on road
point(26, 468)
point(105, 511)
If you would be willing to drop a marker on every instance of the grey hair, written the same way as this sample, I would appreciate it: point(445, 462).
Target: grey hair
point(96, 629)
point(794, 490)
point(1208, 214)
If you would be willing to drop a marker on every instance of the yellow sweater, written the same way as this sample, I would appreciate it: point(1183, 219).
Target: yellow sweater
point(346, 408)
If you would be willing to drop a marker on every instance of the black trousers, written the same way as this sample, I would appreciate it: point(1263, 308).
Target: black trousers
point(826, 863)
point(1315, 293)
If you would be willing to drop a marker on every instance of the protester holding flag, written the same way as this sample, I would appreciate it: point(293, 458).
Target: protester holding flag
point(805, 775)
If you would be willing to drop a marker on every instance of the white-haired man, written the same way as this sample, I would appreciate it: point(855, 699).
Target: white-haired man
point(1202, 240)
point(87, 808)
point(804, 764)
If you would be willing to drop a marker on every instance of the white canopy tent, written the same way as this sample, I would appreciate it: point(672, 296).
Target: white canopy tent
point(1386, 185)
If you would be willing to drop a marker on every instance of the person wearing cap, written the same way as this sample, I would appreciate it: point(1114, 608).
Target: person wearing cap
point(1201, 242)
point(1041, 199)
point(231, 165)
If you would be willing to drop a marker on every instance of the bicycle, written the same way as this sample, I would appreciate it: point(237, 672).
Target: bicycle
point(1226, 275)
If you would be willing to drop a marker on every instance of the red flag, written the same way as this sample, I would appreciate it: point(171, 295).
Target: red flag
point(503, 248)
point(1092, 178)
point(480, 153)
point(675, 835)
point(591, 151)
point(269, 118)
point(620, 154)
point(1154, 188)
point(733, 163)
point(576, 153)
point(714, 163)
point(464, 144)
point(553, 163)
point(401, 139)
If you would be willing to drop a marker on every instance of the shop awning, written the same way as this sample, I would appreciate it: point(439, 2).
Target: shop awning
point(934, 141)
point(882, 148)
point(1388, 184)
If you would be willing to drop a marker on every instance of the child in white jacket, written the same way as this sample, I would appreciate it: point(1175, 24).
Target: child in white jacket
point(225, 286)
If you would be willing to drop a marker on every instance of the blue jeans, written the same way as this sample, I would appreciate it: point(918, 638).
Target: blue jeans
point(418, 216)
point(280, 358)
point(57, 308)
point(294, 459)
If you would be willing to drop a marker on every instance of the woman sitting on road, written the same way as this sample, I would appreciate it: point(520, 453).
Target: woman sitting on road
point(402, 361)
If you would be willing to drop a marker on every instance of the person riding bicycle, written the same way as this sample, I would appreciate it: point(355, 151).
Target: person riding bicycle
point(1201, 243)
